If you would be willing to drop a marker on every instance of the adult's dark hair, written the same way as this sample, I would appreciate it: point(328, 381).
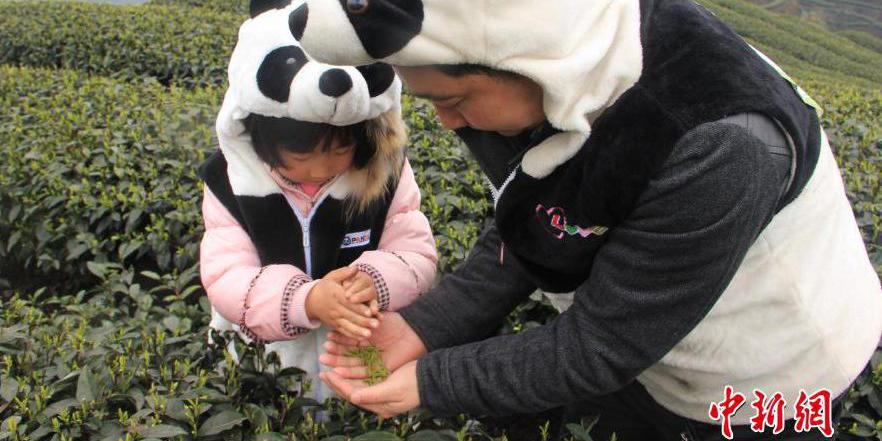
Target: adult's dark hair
point(460, 70)
point(271, 135)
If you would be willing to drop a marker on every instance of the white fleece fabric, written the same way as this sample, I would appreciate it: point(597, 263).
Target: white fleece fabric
point(584, 54)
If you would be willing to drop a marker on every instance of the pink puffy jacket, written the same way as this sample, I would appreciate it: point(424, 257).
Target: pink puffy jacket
point(405, 262)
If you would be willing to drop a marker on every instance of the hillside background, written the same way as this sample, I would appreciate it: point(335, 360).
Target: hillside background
point(843, 16)
point(107, 111)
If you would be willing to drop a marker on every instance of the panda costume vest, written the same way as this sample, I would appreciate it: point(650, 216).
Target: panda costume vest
point(623, 81)
point(270, 75)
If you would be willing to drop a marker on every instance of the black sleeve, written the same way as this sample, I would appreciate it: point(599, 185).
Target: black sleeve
point(657, 276)
point(470, 303)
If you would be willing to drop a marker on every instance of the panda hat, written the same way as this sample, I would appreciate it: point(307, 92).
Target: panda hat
point(583, 53)
point(271, 75)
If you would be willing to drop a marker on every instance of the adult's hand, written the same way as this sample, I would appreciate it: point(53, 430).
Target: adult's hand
point(396, 340)
point(395, 395)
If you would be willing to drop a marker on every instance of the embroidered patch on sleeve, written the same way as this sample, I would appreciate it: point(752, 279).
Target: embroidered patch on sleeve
point(357, 239)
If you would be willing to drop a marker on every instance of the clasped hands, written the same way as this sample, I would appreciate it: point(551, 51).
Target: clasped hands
point(345, 300)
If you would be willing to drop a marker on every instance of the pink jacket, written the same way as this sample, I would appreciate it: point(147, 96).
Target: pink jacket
point(403, 265)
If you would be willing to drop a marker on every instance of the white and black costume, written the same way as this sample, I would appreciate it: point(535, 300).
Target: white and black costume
point(695, 252)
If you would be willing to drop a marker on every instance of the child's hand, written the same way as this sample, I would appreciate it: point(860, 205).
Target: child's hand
point(360, 289)
point(327, 302)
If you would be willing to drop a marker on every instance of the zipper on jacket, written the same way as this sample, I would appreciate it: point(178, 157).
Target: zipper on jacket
point(307, 248)
point(305, 222)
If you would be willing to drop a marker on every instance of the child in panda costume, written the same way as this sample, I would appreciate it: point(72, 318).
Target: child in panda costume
point(657, 176)
point(311, 208)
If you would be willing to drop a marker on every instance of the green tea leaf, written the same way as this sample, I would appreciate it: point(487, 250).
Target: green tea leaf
point(86, 389)
point(8, 388)
point(162, 431)
point(222, 421)
point(377, 436)
point(432, 435)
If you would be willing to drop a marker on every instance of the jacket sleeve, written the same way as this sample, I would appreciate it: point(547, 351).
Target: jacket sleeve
point(654, 280)
point(404, 265)
point(267, 302)
point(470, 303)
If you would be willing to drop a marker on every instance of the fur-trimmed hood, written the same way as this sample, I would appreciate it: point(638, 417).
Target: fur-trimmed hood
point(271, 75)
point(368, 184)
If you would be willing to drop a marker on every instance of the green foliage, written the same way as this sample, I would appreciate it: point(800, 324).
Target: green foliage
point(95, 170)
point(863, 16)
point(864, 39)
point(862, 415)
point(113, 176)
point(239, 7)
point(804, 41)
point(175, 45)
point(118, 361)
point(455, 195)
point(99, 202)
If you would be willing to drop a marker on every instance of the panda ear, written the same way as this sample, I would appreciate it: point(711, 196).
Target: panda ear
point(258, 7)
point(379, 76)
point(297, 21)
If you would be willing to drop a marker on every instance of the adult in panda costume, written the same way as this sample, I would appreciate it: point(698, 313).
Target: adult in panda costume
point(662, 181)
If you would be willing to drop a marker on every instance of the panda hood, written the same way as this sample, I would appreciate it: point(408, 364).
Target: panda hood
point(271, 75)
point(583, 53)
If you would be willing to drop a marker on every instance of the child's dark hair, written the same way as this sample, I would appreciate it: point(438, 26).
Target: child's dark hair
point(271, 135)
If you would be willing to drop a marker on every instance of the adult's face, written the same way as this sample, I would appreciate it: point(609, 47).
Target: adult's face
point(503, 104)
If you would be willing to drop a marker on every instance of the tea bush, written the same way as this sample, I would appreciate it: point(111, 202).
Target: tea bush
point(864, 39)
point(234, 6)
point(804, 41)
point(102, 318)
point(455, 193)
point(180, 46)
point(120, 362)
point(92, 169)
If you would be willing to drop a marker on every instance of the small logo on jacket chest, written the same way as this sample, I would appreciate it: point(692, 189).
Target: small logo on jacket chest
point(357, 239)
point(554, 220)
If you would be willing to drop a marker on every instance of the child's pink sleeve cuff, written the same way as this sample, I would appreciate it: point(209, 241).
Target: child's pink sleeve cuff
point(276, 308)
point(294, 303)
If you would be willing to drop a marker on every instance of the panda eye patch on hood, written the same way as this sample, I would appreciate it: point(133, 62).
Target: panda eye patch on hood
point(278, 69)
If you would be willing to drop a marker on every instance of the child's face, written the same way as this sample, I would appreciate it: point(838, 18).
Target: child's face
point(316, 167)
